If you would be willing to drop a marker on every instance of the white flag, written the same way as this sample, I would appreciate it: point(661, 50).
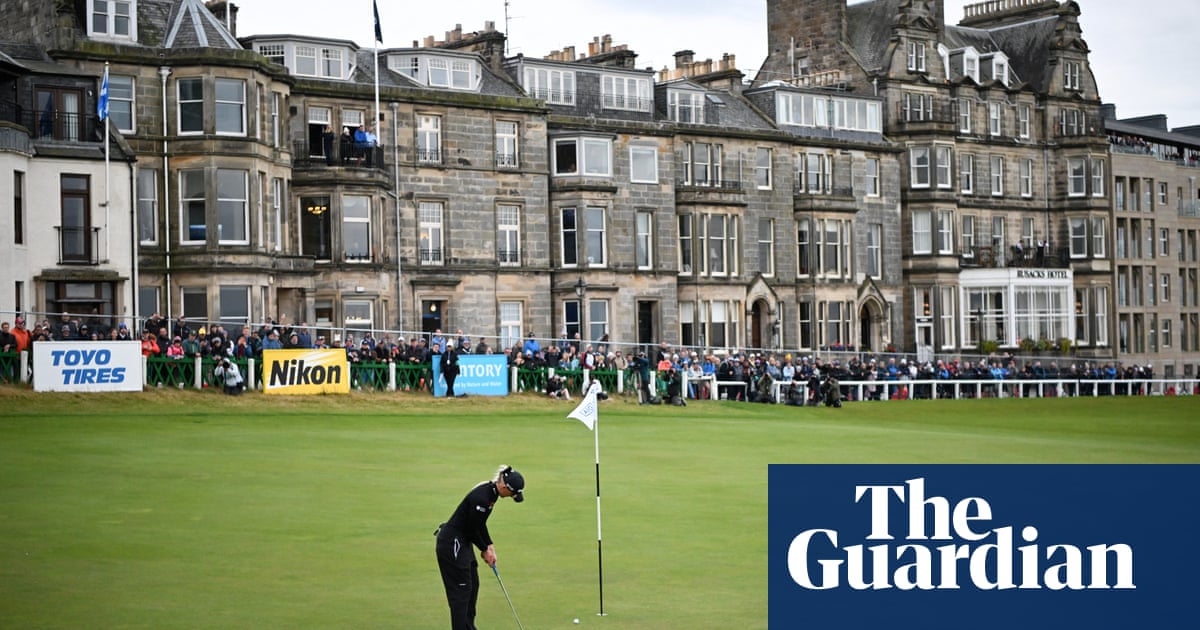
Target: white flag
point(586, 412)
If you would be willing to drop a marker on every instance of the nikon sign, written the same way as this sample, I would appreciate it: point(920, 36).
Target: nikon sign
point(305, 372)
point(982, 547)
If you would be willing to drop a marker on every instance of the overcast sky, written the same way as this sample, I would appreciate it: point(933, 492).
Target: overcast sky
point(1136, 46)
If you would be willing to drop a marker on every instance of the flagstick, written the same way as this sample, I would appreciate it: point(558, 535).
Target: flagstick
point(599, 538)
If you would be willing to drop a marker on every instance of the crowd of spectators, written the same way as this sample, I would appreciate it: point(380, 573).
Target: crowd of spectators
point(1137, 144)
point(679, 373)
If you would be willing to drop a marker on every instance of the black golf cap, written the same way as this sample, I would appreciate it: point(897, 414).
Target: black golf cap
point(516, 484)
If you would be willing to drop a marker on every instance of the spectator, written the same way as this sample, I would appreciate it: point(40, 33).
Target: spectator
point(230, 378)
point(531, 346)
point(272, 341)
point(149, 345)
point(175, 350)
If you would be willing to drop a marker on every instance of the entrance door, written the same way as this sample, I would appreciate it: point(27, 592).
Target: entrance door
point(645, 326)
point(924, 342)
point(431, 316)
point(865, 334)
point(758, 321)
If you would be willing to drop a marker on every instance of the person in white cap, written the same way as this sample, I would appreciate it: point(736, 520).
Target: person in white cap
point(467, 527)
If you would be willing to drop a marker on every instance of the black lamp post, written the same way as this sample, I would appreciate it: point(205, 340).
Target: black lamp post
point(580, 292)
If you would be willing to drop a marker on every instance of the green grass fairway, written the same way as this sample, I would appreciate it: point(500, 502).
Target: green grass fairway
point(174, 509)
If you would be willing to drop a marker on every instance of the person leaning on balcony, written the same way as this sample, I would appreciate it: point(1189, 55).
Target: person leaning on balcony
point(327, 138)
point(149, 344)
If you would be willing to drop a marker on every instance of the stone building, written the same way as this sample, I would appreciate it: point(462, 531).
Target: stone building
point(1156, 218)
point(1004, 180)
point(68, 235)
point(886, 181)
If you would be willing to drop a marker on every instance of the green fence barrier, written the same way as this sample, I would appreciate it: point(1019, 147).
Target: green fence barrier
point(10, 368)
point(370, 376)
point(532, 380)
point(414, 377)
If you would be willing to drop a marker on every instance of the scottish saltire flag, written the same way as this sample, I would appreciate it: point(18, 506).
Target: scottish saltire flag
point(102, 104)
point(586, 411)
point(378, 31)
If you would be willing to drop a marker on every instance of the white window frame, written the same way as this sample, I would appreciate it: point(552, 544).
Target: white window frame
point(1077, 236)
point(508, 234)
point(1027, 177)
point(997, 175)
point(625, 93)
point(945, 232)
point(964, 115)
point(240, 204)
point(966, 173)
point(1101, 308)
point(1000, 68)
point(968, 236)
point(356, 213)
point(971, 64)
point(644, 239)
point(556, 87)
point(875, 250)
point(816, 173)
point(122, 91)
point(762, 168)
point(1023, 121)
point(507, 144)
point(568, 236)
point(943, 165)
point(702, 158)
point(766, 246)
point(919, 167)
point(1071, 72)
point(306, 61)
point(1097, 178)
point(511, 323)
point(995, 119)
point(593, 156)
point(804, 247)
point(916, 56)
point(230, 102)
point(147, 206)
point(922, 232)
point(946, 313)
point(431, 233)
point(188, 194)
point(595, 220)
point(181, 103)
point(872, 177)
point(429, 138)
point(114, 13)
point(1076, 177)
point(643, 164)
point(685, 106)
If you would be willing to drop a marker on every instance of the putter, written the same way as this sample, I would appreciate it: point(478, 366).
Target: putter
point(510, 604)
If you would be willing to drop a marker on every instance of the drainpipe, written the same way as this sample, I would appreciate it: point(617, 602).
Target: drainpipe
point(163, 73)
point(396, 197)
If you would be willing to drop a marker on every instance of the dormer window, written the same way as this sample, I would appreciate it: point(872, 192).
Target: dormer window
point(453, 73)
point(1000, 68)
point(971, 64)
point(685, 107)
point(1071, 75)
point(112, 19)
point(916, 56)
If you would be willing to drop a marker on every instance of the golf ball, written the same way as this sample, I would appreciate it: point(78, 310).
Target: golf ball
point(576, 620)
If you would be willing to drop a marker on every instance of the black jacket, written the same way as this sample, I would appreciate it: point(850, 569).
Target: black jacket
point(470, 517)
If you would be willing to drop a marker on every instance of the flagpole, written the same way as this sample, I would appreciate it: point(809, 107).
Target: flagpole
point(599, 537)
point(588, 413)
point(375, 53)
point(104, 121)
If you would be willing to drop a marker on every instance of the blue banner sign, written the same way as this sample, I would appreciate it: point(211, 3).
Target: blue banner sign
point(983, 546)
point(478, 375)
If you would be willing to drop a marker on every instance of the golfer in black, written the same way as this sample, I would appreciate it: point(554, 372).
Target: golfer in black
point(466, 527)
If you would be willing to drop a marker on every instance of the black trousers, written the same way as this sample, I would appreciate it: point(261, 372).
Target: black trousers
point(460, 576)
point(450, 376)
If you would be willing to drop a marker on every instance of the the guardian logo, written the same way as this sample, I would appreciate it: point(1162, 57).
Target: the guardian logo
point(948, 545)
